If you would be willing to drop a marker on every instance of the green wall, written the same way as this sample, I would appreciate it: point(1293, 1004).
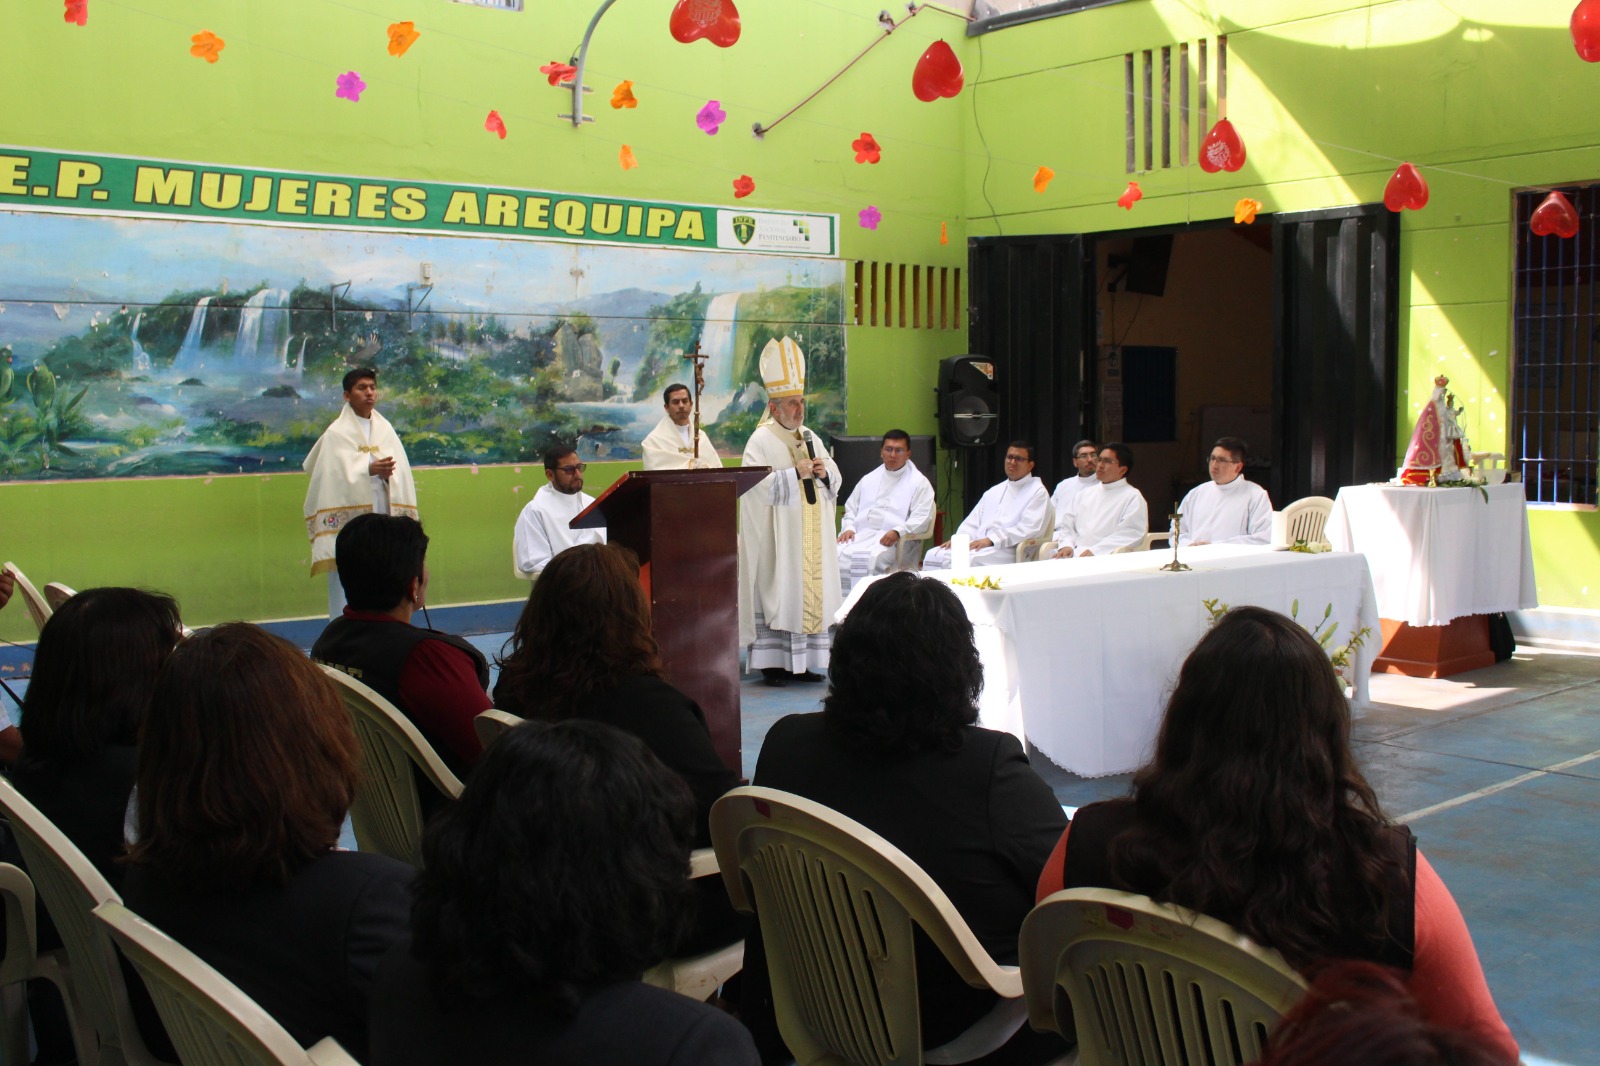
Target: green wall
point(1328, 96)
point(125, 83)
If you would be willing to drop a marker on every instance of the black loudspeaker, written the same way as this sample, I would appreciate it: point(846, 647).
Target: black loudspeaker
point(969, 402)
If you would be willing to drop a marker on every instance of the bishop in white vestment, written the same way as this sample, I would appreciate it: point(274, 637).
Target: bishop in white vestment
point(888, 506)
point(1008, 514)
point(788, 569)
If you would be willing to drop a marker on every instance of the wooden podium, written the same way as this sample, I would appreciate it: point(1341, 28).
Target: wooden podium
point(683, 525)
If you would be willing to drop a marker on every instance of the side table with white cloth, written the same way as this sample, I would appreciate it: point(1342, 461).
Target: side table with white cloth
point(1443, 560)
point(1080, 655)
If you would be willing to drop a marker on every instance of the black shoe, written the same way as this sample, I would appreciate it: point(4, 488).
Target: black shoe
point(771, 675)
point(809, 677)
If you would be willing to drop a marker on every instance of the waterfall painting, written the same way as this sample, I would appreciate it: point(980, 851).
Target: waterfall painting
point(139, 347)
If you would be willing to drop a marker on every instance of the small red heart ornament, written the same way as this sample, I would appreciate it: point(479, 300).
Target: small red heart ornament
point(715, 20)
point(1556, 215)
point(938, 73)
point(1406, 189)
point(1222, 149)
point(1586, 30)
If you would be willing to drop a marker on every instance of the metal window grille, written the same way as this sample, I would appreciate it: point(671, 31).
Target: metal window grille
point(1555, 390)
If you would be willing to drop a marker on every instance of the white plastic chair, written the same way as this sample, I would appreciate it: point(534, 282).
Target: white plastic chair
point(387, 812)
point(696, 976)
point(837, 905)
point(1142, 983)
point(39, 608)
point(1305, 518)
point(55, 594)
point(1031, 547)
point(22, 963)
point(210, 1021)
point(71, 888)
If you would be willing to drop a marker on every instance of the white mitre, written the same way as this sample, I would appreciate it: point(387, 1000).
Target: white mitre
point(783, 369)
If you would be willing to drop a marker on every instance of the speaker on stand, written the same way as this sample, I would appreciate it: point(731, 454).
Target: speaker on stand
point(969, 402)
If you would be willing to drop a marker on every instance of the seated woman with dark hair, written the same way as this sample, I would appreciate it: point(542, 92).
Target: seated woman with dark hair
point(93, 671)
point(896, 747)
point(546, 891)
point(247, 765)
point(582, 648)
point(1253, 811)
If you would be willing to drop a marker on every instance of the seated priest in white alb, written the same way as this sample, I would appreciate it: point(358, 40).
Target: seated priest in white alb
point(670, 446)
point(1008, 514)
point(1110, 515)
point(892, 503)
point(1085, 457)
point(1228, 509)
point(542, 530)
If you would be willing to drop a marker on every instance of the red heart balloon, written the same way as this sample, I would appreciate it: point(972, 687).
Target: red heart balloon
point(715, 20)
point(1405, 189)
point(1556, 215)
point(1222, 149)
point(1586, 30)
point(938, 73)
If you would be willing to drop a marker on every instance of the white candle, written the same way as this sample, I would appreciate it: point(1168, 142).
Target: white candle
point(960, 554)
point(1280, 530)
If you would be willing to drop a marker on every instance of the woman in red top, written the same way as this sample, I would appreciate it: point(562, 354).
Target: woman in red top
point(1253, 811)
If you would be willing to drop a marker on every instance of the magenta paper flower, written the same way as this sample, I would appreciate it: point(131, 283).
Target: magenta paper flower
point(350, 86)
point(711, 117)
point(870, 217)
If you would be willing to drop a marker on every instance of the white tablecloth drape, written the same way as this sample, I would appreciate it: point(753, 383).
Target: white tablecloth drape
point(1080, 655)
point(1439, 554)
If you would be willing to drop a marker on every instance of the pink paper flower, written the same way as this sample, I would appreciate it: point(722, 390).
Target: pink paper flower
point(711, 117)
point(350, 86)
point(870, 217)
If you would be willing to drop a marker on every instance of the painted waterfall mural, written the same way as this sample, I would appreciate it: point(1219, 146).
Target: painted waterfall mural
point(133, 347)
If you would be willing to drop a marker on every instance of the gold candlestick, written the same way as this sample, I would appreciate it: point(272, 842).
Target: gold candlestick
point(1177, 527)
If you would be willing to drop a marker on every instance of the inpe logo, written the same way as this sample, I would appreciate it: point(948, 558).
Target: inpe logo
point(744, 227)
point(804, 228)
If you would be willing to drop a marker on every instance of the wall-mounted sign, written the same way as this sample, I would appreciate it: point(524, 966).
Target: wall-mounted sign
point(45, 180)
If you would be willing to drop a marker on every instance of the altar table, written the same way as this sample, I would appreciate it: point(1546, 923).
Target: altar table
point(1080, 655)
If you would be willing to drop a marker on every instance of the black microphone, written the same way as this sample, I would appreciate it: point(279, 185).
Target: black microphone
point(811, 490)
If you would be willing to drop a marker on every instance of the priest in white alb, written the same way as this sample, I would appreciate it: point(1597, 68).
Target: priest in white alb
point(358, 466)
point(1085, 457)
point(670, 446)
point(788, 569)
point(1006, 515)
point(543, 531)
point(1108, 516)
point(893, 503)
point(1228, 509)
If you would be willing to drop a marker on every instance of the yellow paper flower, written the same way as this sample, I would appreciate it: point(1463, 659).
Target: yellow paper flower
point(206, 45)
point(1041, 179)
point(402, 35)
point(622, 96)
point(1244, 212)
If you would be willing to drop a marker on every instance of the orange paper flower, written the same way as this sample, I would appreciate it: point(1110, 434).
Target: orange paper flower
point(743, 186)
point(1130, 196)
point(206, 45)
point(625, 157)
point(402, 35)
point(944, 233)
point(558, 72)
point(1244, 212)
point(622, 96)
point(1041, 179)
point(495, 125)
point(867, 149)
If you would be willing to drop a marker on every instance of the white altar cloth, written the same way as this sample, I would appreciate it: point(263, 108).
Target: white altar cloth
point(1080, 655)
point(1439, 554)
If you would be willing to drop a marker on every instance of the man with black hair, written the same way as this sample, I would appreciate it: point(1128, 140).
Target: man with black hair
point(891, 503)
point(358, 466)
point(437, 680)
point(1228, 509)
point(542, 529)
point(670, 446)
point(1085, 457)
point(1109, 515)
point(1008, 514)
